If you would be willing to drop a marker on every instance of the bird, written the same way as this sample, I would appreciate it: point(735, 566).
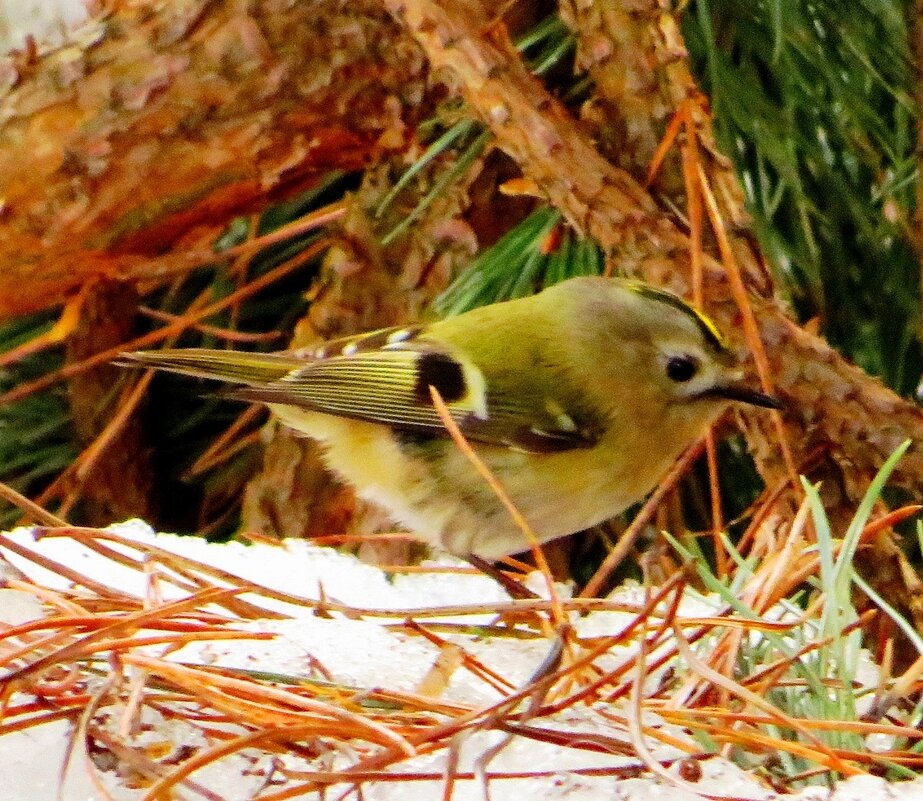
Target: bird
point(578, 399)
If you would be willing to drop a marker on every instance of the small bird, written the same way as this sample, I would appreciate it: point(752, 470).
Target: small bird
point(578, 399)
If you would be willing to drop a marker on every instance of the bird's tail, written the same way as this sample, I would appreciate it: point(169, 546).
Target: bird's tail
point(236, 367)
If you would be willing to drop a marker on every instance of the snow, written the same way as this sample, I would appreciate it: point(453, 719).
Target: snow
point(372, 652)
point(47, 21)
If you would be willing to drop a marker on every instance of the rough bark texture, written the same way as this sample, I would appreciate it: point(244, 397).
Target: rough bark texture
point(166, 119)
point(831, 403)
point(120, 484)
point(635, 55)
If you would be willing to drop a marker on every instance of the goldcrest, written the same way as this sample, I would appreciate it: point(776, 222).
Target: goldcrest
point(578, 399)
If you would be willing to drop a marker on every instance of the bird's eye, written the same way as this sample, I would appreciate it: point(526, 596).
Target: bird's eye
point(682, 368)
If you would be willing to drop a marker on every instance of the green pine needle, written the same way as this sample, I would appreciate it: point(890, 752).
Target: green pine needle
point(813, 101)
point(517, 265)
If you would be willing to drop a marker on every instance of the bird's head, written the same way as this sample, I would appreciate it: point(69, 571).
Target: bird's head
point(664, 353)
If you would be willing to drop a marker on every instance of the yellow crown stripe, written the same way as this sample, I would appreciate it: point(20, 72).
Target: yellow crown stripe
point(709, 330)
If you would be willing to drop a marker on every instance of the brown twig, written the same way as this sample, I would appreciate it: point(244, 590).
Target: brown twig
point(615, 557)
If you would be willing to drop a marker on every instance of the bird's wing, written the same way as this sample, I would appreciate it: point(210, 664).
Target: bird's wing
point(234, 366)
point(385, 377)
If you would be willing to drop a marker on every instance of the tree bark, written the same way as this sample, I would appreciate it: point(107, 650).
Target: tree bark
point(165, 120)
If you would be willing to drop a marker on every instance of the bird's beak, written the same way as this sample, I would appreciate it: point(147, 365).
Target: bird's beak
point(743, 394)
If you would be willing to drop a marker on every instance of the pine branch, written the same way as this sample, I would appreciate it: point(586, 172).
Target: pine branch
point(168, 121)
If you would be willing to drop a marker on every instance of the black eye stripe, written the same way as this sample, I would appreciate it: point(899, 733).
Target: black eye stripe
point(682, 368)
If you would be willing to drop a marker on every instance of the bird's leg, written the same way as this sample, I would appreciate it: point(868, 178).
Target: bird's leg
point(516, 589)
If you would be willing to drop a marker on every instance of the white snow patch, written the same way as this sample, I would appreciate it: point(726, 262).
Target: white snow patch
point(47, 21)
point(367, 653)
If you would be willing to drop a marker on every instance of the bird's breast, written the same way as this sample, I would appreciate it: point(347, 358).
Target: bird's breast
point(430, 486)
